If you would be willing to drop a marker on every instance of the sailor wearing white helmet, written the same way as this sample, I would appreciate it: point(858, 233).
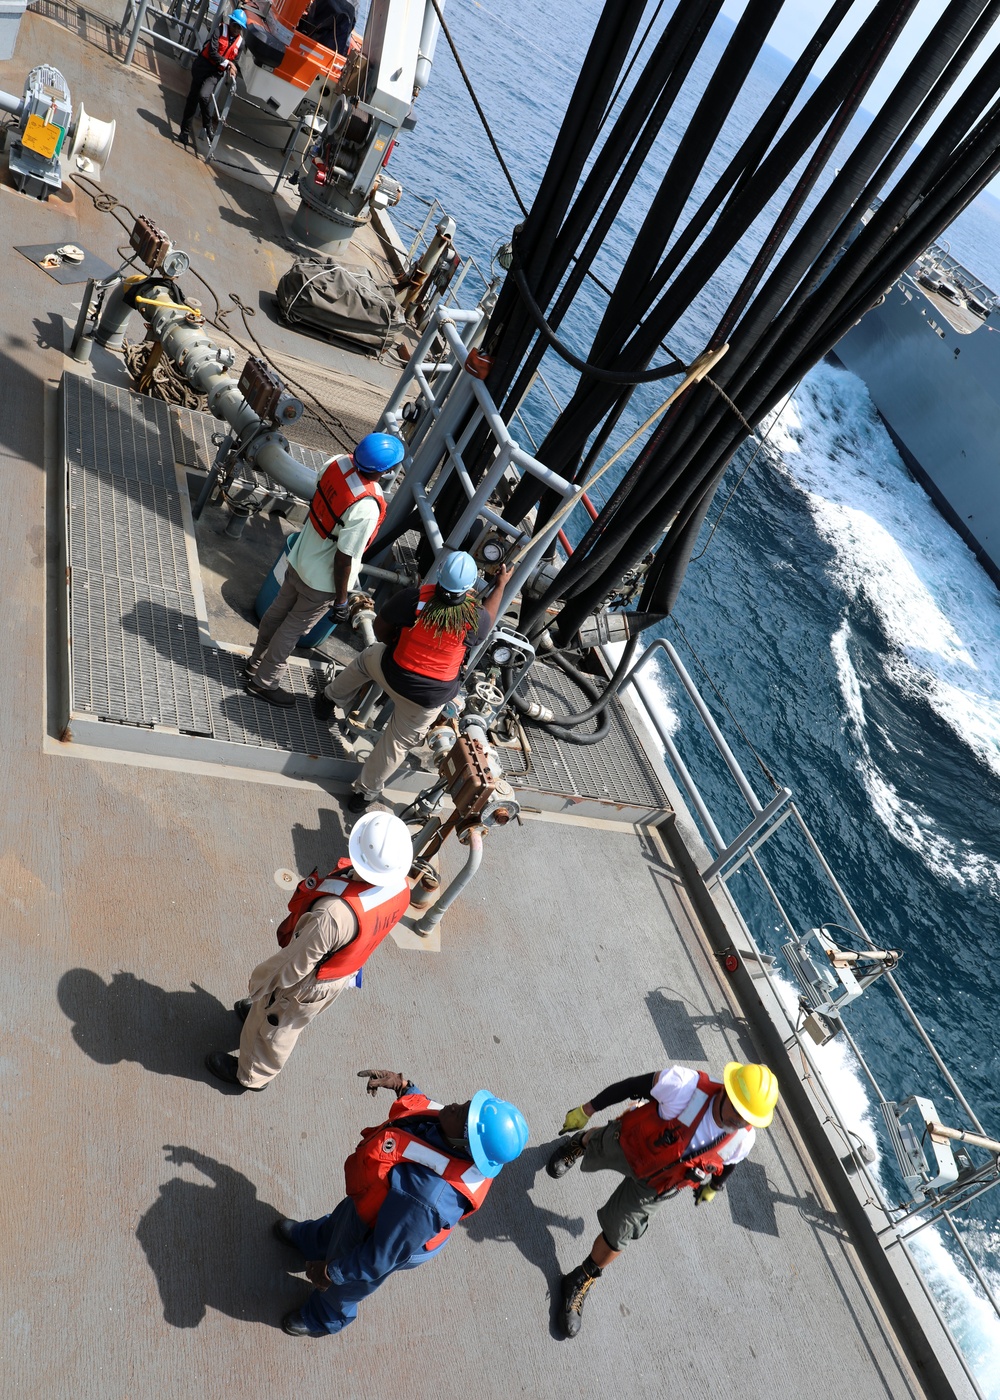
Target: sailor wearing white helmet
point(334, 924)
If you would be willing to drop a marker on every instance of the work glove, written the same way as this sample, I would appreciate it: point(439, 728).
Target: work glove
point(383, 1079)
point(705, 1193)
point(341, 612)
point(575, 1119)
point(317, 1275)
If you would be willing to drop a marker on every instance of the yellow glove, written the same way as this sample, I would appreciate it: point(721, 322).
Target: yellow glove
point(575, 1119)
point(705, 1194)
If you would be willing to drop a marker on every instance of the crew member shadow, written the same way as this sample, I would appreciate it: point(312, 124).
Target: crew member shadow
point(512, 1215)
point(130, 1019)
point(210, 1246)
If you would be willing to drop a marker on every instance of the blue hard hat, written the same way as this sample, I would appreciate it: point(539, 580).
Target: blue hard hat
point(496, 1130)
point(458, 572)
point(379, 452)
point(239, 17)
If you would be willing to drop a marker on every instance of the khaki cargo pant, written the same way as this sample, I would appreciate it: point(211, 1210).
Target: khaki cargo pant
point(271, 1030)
point(407, 725)
point(294, 612)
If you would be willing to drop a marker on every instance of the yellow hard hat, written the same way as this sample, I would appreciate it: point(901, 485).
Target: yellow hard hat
point(753, 1091)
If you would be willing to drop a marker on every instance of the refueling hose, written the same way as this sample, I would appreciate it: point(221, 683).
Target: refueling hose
point(564, 726)
point(777, 201)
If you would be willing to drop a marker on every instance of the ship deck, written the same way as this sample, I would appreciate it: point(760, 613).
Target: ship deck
point(137, 892)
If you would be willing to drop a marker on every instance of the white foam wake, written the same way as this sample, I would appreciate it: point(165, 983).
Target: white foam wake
point(938, 608)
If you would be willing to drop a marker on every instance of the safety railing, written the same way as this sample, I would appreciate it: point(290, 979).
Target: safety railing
point(176, 24)
point(452, 400)
point(906, 1220)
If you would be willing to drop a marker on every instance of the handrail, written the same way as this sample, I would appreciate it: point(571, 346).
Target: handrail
point(903, 1220)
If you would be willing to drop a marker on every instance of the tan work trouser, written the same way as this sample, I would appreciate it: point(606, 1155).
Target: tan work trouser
point(294, 612)
point(266, 1044)
point(407, 725)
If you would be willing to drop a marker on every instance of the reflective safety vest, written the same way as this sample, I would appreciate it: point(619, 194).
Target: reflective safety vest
point(377, 908)
point(229, 48)
point(438, 656)
point(658, 1149)
point(366, 1171)
point(337, 489)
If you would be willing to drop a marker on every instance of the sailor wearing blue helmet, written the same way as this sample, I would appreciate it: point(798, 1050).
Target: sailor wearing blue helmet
point(345, 515)
point(423, 635)
point(409, 1182)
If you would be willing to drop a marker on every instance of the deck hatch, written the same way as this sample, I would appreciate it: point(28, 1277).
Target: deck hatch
point(127, 529)
point(136, 654)
point(111, 430)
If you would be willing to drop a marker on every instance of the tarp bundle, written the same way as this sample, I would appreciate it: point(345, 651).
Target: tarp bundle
point(342, 302)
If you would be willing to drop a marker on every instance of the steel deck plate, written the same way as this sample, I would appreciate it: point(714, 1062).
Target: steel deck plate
point(126, 435)
point(615, 770)
point(126, 529)
point(136, 654)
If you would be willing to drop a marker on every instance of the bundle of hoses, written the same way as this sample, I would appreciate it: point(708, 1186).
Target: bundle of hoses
point(802, 291)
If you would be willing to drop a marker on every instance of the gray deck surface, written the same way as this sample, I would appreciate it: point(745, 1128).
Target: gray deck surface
point(136, 1199)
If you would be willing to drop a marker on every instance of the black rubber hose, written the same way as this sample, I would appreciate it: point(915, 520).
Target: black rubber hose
point(753, 196)
point(606, 376)
point(569, 735)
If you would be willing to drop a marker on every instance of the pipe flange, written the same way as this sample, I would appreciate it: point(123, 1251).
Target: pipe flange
point(264, 440)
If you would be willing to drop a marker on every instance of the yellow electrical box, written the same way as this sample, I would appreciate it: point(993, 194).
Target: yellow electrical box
point(40, 136)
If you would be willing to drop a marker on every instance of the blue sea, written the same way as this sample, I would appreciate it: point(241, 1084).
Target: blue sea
point(851, 634)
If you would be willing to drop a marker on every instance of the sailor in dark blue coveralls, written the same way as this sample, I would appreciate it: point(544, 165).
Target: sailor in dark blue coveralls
point(409, 1181)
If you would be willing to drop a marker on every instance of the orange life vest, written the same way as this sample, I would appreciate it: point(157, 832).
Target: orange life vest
point(338, 489)
point(229, 48)
point(377, 908)
point(366, 1171)
point(438, 656)
point(657, 1149)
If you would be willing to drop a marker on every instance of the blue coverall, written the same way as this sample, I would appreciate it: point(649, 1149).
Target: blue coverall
point(419, 1205)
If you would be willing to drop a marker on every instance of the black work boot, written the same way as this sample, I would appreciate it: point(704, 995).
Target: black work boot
point(575, 1287)
point(566, 1155)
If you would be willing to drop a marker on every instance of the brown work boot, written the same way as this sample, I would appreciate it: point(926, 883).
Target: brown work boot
point(575, 1287)
point(566, 1155)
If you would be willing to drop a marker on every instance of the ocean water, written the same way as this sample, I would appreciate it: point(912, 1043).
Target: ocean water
point(851, 634)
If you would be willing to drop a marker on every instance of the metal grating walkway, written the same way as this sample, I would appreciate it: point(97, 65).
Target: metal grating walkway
point(615, 770)
point(138, 655)
point(240, 719)
point(126, 529)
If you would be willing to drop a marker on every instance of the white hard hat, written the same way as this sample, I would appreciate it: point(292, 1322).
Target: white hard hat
point(380, 848)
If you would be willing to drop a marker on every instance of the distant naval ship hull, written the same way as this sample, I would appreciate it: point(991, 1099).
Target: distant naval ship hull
point(932, 368)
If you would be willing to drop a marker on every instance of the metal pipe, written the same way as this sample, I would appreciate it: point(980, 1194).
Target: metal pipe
point(82, 344)
point(435, 913)
point(204, 364)
point(10, 103)
point(137, 24)
point(213, 476)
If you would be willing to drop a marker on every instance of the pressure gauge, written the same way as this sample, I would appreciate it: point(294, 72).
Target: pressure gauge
point(492, 552)
point(502, 655)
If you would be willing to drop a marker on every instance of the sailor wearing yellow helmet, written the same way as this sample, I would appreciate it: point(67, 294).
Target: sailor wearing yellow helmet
point(691, 1133)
